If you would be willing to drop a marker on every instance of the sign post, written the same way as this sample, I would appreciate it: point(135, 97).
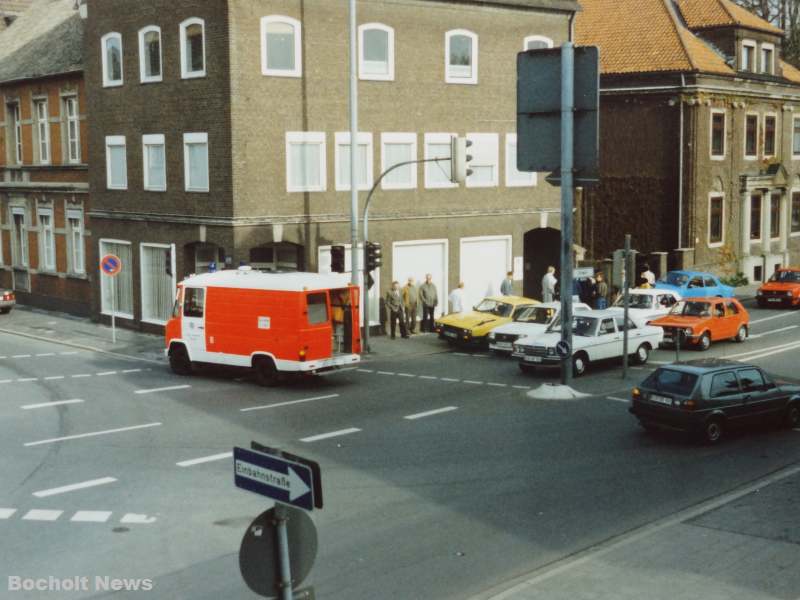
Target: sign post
point(111, 265)
point(626, 301)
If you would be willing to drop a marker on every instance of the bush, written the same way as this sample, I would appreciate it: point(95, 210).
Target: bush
point(737, 280)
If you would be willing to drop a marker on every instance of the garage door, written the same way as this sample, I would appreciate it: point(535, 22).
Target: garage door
point(484, 264)
point(416, 258)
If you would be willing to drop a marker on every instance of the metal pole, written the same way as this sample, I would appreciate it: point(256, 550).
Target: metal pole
point(283, 551)
point(678, 334)
point(354, 145)
point(113, 310)
point(626, 300)
point(567, 200)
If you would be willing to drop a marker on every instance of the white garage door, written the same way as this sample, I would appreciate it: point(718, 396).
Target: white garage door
point(416, 258)
point(484, 264)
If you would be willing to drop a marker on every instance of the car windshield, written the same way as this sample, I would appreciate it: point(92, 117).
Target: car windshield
point(636, 301)
point(786, 277)
point(671, 382)
point(678, 279)
point(536, 314)
point(691, 309)
point(500, 309)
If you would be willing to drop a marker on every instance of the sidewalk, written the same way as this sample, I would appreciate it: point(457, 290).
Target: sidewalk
point(742, 546)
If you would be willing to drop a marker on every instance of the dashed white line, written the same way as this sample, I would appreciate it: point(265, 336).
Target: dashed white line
point(49, 404)
point(163, 389)
point(67, 353)
point(385, 372)
point(21, 356)
point(133, 518)
point(92, 434)
point(494, 384)
point(288, 403)
point(616, 399)
point(450, 379)
point(6, 380)
point(80, 375)
point(431, 377)
point(779, 316)
point(42, 515)
point(54, 377)
point(27, 379)
point(406, 375)
point(365, 370)
point(74, 487)
point(132, 371)
point(204, 459)
point(91, 516)
point(6, 513)
point(325, 436)
point(429, 413)
point(104, 373)
point(473, 382)
point(521, 387)
point(760, 335)
point(45, 354)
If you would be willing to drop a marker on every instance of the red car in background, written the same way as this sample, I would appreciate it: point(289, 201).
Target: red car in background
point(782, 289)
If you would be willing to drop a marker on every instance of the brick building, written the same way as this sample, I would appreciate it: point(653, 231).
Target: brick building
point(221, 133)
point(700, 135)
point(44, 230)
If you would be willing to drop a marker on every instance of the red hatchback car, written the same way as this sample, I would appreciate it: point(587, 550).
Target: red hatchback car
point(782, 289)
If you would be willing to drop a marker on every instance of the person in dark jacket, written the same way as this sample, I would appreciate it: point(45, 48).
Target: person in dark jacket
point(394, 306)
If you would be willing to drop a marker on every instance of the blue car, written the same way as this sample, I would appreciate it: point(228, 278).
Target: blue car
point(693, 284)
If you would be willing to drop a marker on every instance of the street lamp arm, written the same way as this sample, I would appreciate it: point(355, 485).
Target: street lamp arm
point(389, 170)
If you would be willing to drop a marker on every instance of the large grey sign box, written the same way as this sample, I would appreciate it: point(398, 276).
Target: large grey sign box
point(539, 111)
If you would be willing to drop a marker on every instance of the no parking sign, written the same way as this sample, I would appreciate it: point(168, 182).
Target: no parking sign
point(111, 265)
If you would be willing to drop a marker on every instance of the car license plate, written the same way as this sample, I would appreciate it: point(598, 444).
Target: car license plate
point(774, 299)
point(660, 399)
point(503, 345)
point(450, 334)
point(535, 359)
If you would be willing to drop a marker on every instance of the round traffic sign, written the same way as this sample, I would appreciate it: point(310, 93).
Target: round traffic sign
point(563, 350)
point(111, 265)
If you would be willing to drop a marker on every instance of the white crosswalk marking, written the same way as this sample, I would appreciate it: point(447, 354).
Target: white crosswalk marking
point(91, 516)
point(6, 513)
point(42, 515)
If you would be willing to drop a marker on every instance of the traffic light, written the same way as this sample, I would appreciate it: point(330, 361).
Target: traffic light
point(374, 256)
point(459, 159)
point(337, 259)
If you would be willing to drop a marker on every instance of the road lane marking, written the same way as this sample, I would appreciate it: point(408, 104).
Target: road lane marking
point(786, 346)
point(54, 377)
point(6, 380)
point(617, 399)
point(759, 335)
point(493, 384)
point(49, 404)
point(521, 387)
point(42, 515)
point(204, 459)
point(104, 373)
point(460, 354)
point(67, 353)
point(21, 356)
point(779, 350)
point(163, 389)
point(406, 375)
point(91, 516)
point(74, 487)
point(92, 434)
point(27, 379)
point(473, 382)
point(780, 316)
point(288, 403)
point(325, 436)
point(135, 519)
point(132, 371)
point(385, 372)
point(6, 513)
point(450, 379)
point(430, 377)
point(45, 354)
point(429, 413)
point(80, 375)
point(364, 370)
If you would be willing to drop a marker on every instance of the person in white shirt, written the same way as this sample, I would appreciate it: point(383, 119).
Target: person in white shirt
point(549, 285)
point(648, 276)
point(457, 299)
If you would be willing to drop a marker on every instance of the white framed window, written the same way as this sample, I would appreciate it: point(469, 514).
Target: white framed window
point(716, 219)
point(73, 130)
point(717, 134)
point(150, 54)
point(116, 163)
point(437, 174)
point(398, 148)
point(751, 136)
point(195, 161)
point(193, 48)
point(461, 57)
point(485, 152)
point(375, 52)
point(748, 61)
point(363, 160)
point(19, 237)
point(281, 46)
point(121, 303)
point(154, 163)
point(16, 131)
point(306, 163)
point(111, 48)
point(47, 241)
point(767, 58)
point(42, 130)
point(536, 42)
point(76, 251)
point(515, 177)
point(770, 134)
point(157, 270)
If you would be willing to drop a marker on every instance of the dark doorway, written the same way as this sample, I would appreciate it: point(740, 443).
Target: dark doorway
point(541, 249)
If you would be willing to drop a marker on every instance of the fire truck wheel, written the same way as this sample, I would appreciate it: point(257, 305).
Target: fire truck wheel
point(266, 373)
point(179, 360)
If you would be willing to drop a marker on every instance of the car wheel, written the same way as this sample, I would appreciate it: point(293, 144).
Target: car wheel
point(705, 341)
point(266, 372)
point(179, 360)
point(642, 354)
point(579, 364)
point(527, 369)
point(5, 311)
point(713, 431)
point(741, 335)
point(792, 418)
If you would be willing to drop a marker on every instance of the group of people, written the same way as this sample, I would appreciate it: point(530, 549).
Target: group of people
point(593, 291)
point(403, 303)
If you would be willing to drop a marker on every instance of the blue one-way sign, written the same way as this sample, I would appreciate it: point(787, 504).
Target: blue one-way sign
point(274, 477)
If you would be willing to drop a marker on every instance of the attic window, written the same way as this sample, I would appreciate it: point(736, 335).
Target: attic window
point(768, 59)
point(748, 62)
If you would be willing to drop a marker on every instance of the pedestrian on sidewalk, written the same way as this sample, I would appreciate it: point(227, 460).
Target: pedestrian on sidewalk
point(601, 300)
point(507, 287)
point(457, 299)
point(410, 297)
point(394, 305)
point(429, 299)
point(549, 284)
point(648, 276)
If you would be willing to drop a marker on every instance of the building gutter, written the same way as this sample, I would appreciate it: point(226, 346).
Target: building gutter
point(32, 186)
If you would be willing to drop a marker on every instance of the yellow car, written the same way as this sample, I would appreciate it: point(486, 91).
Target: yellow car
point(472, 326)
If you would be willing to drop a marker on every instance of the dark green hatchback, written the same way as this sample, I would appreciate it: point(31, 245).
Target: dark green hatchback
point(711, 396)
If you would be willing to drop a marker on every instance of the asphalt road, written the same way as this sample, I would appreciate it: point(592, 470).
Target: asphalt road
point(101, 475)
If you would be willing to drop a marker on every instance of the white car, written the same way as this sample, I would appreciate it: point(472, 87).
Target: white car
point(596, 335)
point(531, 322)
point(645, 305)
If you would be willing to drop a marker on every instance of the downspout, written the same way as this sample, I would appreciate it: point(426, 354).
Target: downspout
point(680, 168)
point(571, 32)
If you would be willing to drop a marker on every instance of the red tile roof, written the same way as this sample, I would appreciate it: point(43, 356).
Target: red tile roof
point(703, 14)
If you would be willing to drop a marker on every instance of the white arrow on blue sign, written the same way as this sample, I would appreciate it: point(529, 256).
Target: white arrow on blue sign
point(274, 477)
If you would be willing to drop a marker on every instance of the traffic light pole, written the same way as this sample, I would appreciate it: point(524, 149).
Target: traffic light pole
point(567, 201)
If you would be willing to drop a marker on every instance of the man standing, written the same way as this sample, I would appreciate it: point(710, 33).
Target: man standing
point(648, 276)
point(394, 305)
point(549, 284)
point(507, 287)
point(457, 299)
point(410, 296)
point(601, 300)
point(430, 299)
